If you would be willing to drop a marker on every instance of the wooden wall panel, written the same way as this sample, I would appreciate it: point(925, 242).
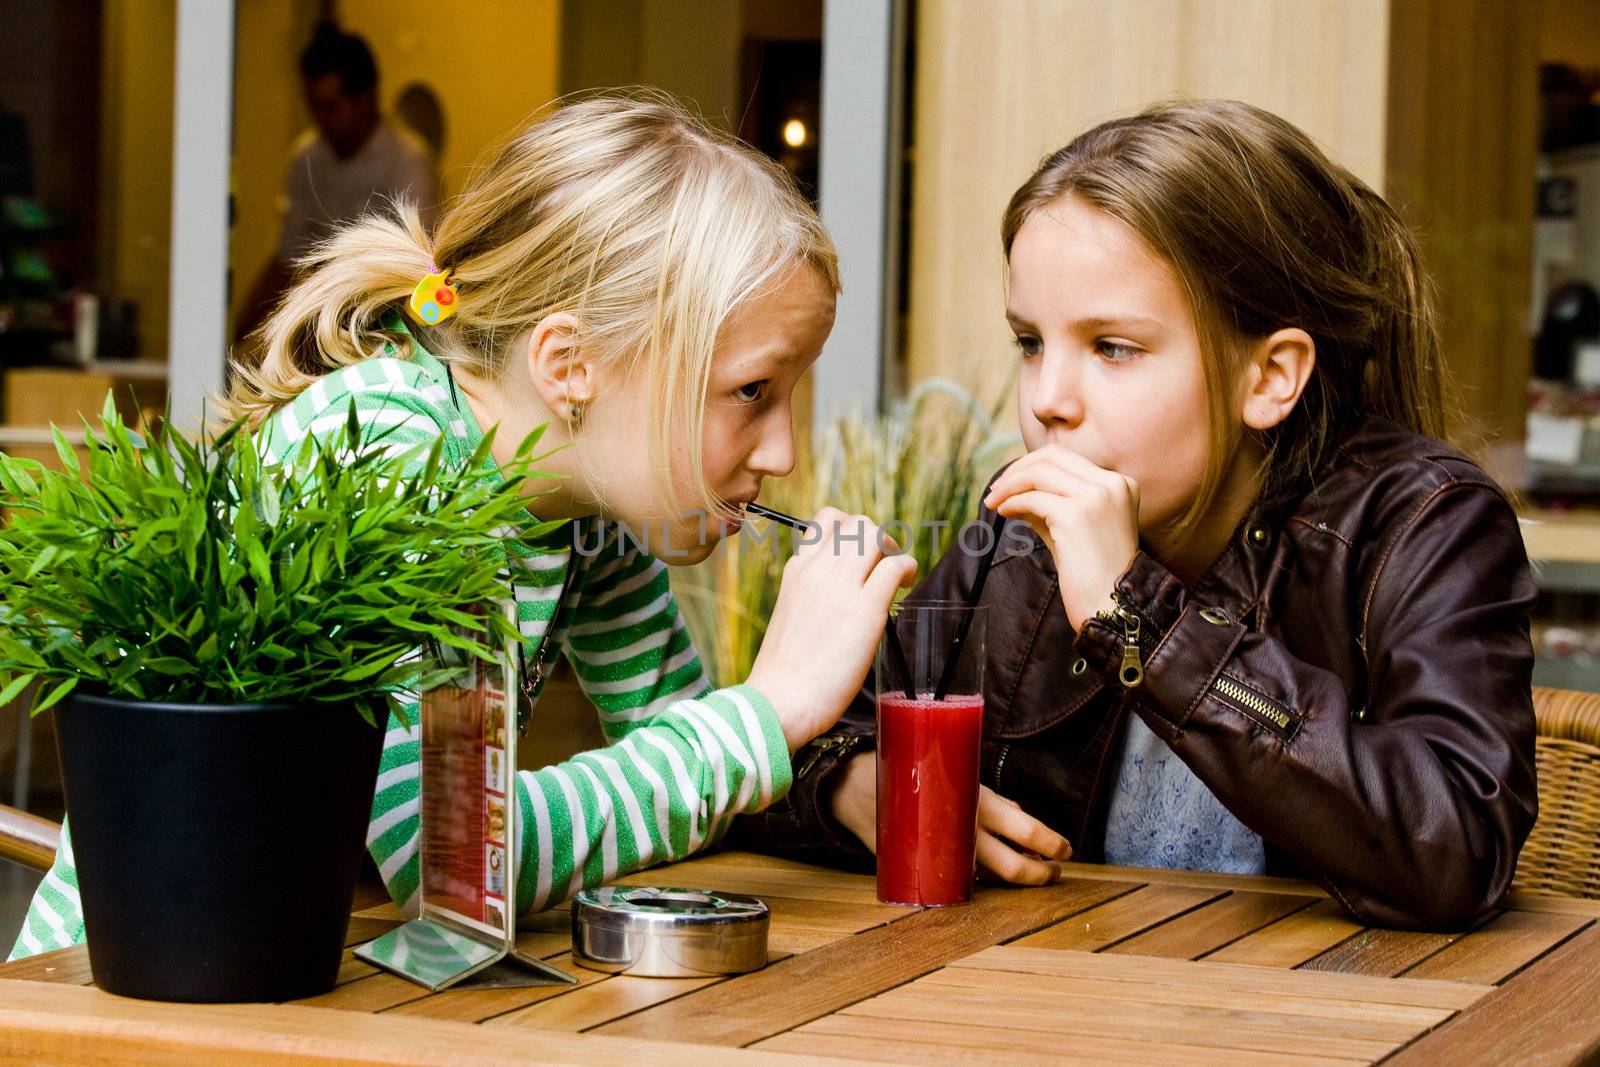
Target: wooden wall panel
point(998, 85)
point(1463, 124)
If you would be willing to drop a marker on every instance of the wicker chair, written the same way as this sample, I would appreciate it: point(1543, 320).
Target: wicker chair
point(1563, 854)
point(28, 839)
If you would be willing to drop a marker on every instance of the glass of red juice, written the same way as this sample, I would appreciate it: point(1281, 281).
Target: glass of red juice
point(928, 752)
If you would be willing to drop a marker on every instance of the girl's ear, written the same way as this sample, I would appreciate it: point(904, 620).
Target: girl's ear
point(1279, 369)
point(562, 373)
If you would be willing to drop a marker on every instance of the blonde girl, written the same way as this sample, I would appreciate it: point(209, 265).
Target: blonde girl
point(652, 290)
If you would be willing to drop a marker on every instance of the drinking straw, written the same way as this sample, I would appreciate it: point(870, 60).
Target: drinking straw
point(948, 675)
point(776, 516)
point(897, 654)
point(897, 658)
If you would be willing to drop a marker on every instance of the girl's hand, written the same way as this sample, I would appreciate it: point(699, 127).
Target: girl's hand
point(832, 606)
point(1088, 516)
point(1013, 846)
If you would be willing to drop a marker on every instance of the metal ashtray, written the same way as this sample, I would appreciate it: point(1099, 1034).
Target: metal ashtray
point(668, 932)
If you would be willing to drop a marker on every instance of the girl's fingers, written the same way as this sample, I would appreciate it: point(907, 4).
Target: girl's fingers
point(890, 573)
point(1050, 479)
point(1058, 470)
point(1035, 507)
point(840, 537)
point(1007, 864)
point(1006, 819)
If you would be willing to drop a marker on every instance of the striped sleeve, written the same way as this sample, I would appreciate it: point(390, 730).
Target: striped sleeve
point(635, 660)
point(668, 788)
point(627, 642)
point(55, 916)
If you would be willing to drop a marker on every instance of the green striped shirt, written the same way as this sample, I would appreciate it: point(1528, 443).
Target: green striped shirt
point(682, 762)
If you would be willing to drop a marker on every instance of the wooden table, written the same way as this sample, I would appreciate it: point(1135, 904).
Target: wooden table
point(1111, 965)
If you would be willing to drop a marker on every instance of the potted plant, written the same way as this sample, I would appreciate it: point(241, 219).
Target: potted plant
point(224, 638)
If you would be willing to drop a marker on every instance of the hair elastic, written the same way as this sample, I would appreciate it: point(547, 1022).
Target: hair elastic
point(434, 299)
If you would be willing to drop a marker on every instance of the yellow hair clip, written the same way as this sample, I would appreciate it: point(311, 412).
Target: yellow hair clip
point(434, 298)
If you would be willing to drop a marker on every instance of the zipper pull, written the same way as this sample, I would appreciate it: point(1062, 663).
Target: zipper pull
point(1132, 672)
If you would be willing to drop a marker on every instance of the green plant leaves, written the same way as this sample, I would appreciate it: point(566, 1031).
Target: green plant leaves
point(164, 568)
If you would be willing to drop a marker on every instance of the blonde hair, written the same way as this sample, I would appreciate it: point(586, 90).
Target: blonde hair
point(1265, 232)
point(624, 210)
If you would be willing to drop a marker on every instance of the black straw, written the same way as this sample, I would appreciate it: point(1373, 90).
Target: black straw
point(953, 657)
point(777, 516)
point(897, 658)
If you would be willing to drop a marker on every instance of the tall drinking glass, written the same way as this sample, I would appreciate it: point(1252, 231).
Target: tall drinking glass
point(928, 752)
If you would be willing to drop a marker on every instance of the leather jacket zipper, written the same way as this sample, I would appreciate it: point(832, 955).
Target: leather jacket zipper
point(1258, 707)
point(1000, 767)
point(839, 745)
point(1123, 617)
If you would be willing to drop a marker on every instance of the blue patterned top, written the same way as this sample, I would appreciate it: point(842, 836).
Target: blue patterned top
point(1163, 816)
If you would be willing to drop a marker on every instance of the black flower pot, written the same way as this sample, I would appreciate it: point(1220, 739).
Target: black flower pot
point(217, 846)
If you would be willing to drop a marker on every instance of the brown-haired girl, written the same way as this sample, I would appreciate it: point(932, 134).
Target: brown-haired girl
point(1268, 622)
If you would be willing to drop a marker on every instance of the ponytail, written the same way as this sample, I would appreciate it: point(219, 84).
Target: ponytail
point(338, 313)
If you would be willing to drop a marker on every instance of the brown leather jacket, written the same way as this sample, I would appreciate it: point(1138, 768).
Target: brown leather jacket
point(1351, 678)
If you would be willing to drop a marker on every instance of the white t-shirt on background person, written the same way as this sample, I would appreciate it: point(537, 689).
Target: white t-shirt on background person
point(324, 191)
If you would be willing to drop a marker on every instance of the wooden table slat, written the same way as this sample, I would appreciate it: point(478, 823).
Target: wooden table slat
point(1384, 953)
point(841, 889)
point(476, 1005)
point(1316, 1010)
point(921, 1042)
point(1175, 1019)
point(754, 1006)
point(1293, 939)
point(378, 991)
point(1121, 917)
point(1500, 947)
point(1523, 900)
point(1210, 927)
point(718, 862)
point(1546, 1015)
point(351, 968)
point(601, 1002)
point(1234, 977)
point(67, 965)
point(51, 1023)
point(363, 929)
point(1266, 883)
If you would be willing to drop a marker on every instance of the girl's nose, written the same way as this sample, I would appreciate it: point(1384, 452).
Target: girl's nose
point(774, 452)
point(1056, 396)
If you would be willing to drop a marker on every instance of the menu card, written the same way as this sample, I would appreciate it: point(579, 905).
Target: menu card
point(468, 835)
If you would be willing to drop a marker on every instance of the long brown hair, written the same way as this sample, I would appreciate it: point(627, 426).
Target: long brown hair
point(1265, 232)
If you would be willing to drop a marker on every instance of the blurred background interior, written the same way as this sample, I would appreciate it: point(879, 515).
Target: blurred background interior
point(909, 121)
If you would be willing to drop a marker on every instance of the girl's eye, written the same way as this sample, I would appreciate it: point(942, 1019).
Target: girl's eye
point(1115, 351)
point(1028, 346)
point(753, 392)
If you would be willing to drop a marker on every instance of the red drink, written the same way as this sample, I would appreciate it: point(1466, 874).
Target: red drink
point(927, 797)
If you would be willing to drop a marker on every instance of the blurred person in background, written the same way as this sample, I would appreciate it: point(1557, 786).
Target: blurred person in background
point(351, 162)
